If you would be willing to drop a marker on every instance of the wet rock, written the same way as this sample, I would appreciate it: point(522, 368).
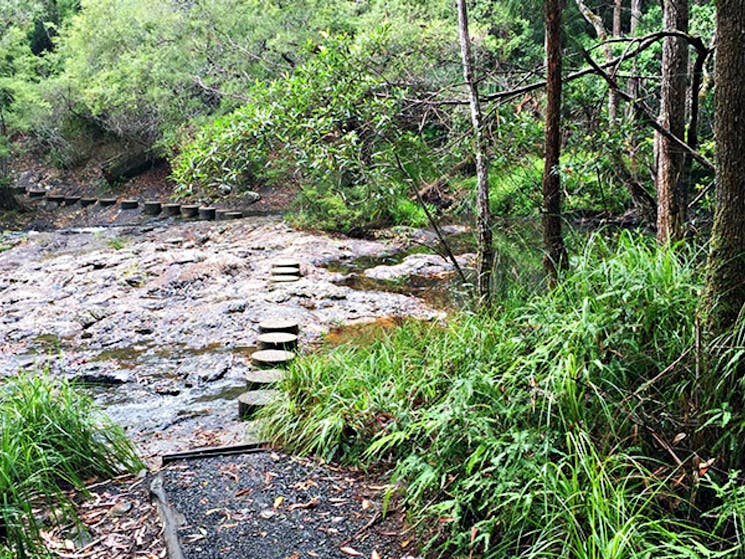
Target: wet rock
point(235, 307)
point(205, 368)
point(425, 265)
point(95, 374)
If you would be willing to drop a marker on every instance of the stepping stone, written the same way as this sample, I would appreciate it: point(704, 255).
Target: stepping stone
point(207, 213)
point(85, 202)
point(152, 207)
point(279, 325)
point(277, 340)
point(249, 402)
point(233, 215)
point(253, 433)
point(106, 202)
point(285, 271)
point(56, 198)
point(262, 378)
point(71, 200)
point(283, 279)
point(286, 263)
point(220, 214)
point(19, 189)
point(129, 204)
point(271, 357)
point(189, 210)
point(172, 209)
point(37, 193)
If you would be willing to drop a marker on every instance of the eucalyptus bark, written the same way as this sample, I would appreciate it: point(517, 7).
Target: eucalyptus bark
point(483, 218)
point(672, 196)
point(725, 289)
point(555, 256)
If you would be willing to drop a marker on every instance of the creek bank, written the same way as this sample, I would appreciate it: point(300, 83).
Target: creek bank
point(161, 318)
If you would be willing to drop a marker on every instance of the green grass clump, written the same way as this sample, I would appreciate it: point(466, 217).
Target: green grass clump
point(52, 440)
point(528, 432)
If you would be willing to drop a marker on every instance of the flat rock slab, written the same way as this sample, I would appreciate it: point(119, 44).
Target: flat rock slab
point(271, 357)
point(249, 402)
point(286, 263)
point(279, 325)
point(277, 340)
point(261, 378)
point(274, 506)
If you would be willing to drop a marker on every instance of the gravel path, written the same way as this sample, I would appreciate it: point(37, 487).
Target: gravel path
point(268, 505)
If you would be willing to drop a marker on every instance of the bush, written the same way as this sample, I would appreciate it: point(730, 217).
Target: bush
point(52, 440)
point(518, 434)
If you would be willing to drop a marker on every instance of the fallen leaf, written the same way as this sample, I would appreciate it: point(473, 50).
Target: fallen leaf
point(278, 502)
point(307, 505)
point(350, 551)
point(366, 504)
point(375, 555)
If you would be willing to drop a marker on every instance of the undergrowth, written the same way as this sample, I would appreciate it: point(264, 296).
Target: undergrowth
point(562, 425)
point(52, 440)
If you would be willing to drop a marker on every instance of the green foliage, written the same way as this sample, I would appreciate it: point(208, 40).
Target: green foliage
point(52, 440)
point(516, 433)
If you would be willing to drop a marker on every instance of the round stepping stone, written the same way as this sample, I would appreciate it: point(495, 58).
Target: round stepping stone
point(152, 207)
point(286, 263)
point(37, 193)
point(207, 213)
point(277, 340)
point(285, 271)
point(172, 209)
point(19, 189)
point(233, 215)
point(283, 279)
point(261, 378)
point(71, 200)
point(279, 325)
point(56, 198)
point(271, 357)
point(249, 402)
point(85, 202)
point(189, 210)
point(129, 204)
point(106, 202)
point(220, 214)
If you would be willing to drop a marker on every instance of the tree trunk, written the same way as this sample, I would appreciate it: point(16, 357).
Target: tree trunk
point(672, 198)
point(555, 257)
point(485, 251)
point(725, 289)
point(632, 86)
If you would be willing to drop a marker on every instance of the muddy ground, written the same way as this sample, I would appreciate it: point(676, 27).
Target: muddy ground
point(159, 317)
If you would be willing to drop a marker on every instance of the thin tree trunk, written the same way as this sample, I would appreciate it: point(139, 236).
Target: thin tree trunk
point(555, 256)
point(672, 202)
point(632, 87)
point(725, 289)
point(483, 219)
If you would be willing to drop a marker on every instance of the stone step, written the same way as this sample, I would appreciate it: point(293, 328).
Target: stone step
point(152, 207)
point(279, 325)
point(37, 193)
point(277, 340)
point(189, 210)
point(106, 202)
point(207, 213)
point(56, 198)
point(285, 271)
point(263, 378)
point(286, 263)
point(251, 401)
point(85, 202)
point(71, 200)
point(268, 358)
point(172, 209)
point(129, 204)
point(252, 435)
point(283, 279)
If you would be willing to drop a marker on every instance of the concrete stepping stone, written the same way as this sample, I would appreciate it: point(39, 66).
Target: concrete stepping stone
point(37, 193)
point(152, 207)
point(251, 401)
point(286, 263)
point(71, 200)
point(106, 202)
point(269, 358)
point(279, 325)
point(253, 433)
point(129, 204)
point(189, 210)
point(233, 215)
point(220, 214)
point(277, 340)
point(283, 279)
point(85, 202)
point(56, 198)
point(172, 209)
point(263, 378)
point(285, 271)
point(19, 189)
point(207, 213)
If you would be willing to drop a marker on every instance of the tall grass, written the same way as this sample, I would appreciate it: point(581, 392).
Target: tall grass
point(543, 430)
point(52, 440)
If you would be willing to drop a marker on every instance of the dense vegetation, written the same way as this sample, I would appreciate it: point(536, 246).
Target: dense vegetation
point(52, 441)
point(353, 102)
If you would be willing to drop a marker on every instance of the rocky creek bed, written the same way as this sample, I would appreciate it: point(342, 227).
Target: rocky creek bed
point(160, 318)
